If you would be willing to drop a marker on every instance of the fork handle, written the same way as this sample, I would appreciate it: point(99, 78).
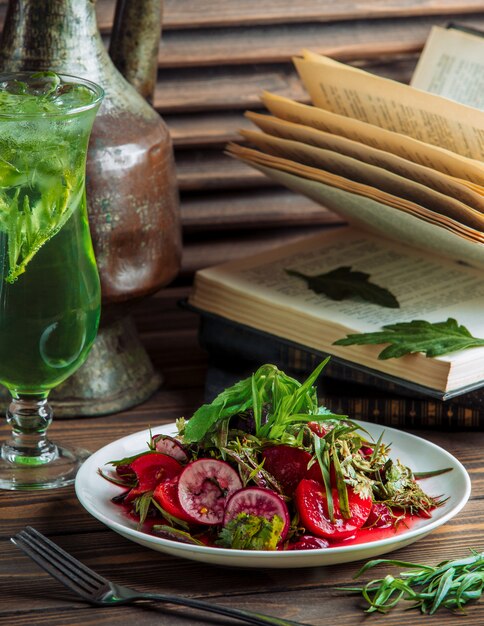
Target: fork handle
point(246, 616)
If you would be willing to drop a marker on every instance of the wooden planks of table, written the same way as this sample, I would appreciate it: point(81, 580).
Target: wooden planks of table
point(31, 597)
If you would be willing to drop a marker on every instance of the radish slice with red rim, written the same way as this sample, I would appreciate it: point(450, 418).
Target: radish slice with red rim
point(170, 446)
point(203, 488)
point(259, 502)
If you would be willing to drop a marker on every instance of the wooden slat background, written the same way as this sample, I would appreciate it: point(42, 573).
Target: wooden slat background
point(215, 59)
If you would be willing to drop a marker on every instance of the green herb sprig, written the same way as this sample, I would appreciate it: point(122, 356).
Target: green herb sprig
point(450, 584)
point(289, 401)
point(433, 339)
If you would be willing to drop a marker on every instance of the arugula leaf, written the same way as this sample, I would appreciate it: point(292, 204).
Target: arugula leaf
point(283, 398)
point(175, 534)
point(343, 283)
point(230, 401)
point(433, 339)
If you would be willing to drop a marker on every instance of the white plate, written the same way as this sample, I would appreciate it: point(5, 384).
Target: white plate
point(95, 493)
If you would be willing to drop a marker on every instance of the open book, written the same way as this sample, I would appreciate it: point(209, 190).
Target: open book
point(405, 168)
point(259, 292)
point(386, 156)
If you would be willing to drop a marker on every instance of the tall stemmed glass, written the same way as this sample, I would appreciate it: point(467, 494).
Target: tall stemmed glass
point(49, 284)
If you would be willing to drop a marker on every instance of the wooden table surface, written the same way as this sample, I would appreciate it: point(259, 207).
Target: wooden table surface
point(31, 597)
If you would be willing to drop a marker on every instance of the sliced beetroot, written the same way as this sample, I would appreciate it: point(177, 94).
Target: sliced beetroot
point(151, 469)
point(126, 472)
point(203, 488)
point(380, 516)
point(315, 473)
point(319, 428)
point(312, 505)
point(170, 446)
point(259, 502)
point(166, 494)
point(308, 542)
point(288, 465)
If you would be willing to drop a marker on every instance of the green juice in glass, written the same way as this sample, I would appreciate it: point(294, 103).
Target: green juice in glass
point(49, 285)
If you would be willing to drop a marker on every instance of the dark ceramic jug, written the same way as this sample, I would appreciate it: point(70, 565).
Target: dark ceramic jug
point(131, 179)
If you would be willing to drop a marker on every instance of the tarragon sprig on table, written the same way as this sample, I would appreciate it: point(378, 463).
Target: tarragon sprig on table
point(450, 584)
point(433, 339)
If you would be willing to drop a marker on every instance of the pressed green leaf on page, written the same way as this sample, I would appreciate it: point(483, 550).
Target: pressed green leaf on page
point(343, 282)
point(433, 339)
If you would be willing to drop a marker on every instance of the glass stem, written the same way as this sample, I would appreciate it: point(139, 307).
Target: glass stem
point(29, 416)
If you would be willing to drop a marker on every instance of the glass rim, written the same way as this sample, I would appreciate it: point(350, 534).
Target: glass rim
point(97, 91)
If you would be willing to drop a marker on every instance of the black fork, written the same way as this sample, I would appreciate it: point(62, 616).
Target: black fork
point(102, 592)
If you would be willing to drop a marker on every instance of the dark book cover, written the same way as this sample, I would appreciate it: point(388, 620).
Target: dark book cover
point(236, 351)
point(228, 339)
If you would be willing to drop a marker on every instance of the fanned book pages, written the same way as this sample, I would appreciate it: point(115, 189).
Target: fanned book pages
point(405, 168)
point(387, 157)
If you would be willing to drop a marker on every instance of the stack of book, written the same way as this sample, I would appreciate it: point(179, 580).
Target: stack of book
point(404, 168)
point(235, 351)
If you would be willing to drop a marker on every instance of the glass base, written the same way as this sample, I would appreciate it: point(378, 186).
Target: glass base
point(32, 473)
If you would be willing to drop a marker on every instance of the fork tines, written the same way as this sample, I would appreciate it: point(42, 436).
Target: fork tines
point(59, 564)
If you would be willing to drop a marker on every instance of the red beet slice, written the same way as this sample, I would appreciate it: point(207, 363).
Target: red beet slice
point(151, 469)
point(203, 488)
point(379, 517)
point(260, 502)
point(170, 446)
point(312, 506)
point(288, 465)
point(308, 542)
point(166, 494)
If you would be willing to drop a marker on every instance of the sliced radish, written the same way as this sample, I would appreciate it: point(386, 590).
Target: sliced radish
point(151, 469)
point(259, 502)
point(203, 488)
point(170, 446)
point(166, 494)
point(287, 464)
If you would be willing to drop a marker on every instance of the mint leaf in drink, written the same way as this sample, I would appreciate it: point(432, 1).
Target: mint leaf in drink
point(433, 339)
point(343, 283)
point(42, 161)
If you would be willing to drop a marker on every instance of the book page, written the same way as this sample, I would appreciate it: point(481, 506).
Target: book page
point(426, 287)
point(255, 157)
point(384, 220)
point(429, 177)
point(406, 147)
point(382, 102)
point(358, 171)
point(374, 167)
point(452, 65)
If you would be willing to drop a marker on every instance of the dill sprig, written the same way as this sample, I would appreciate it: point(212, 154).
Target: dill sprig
point(449, 584)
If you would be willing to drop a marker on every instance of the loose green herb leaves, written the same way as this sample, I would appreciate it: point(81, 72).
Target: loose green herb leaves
point(433, 339)
point(450, 584)
point(251, 532)
point(343, 283)
point(283, 399)
point(30, 226)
